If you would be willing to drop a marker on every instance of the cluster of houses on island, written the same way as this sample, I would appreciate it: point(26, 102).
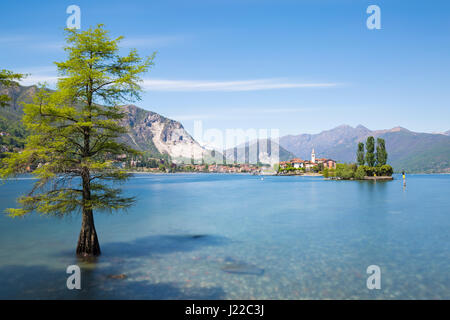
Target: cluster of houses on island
point(308, 164)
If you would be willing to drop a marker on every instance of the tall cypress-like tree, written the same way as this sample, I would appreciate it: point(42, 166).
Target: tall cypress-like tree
point(370, 148)
point(75, 131)
point(8, 79)
point(381, 154)
point(360, 154)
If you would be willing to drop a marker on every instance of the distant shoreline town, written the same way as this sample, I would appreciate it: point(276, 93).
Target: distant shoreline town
point(370, 165)
point(294, 166)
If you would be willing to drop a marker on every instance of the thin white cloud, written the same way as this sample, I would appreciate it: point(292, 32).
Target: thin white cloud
point(237, 85)
point(32, 80)
point(37, 75)
point(48, 74)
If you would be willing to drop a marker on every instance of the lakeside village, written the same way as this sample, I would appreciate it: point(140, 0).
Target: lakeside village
point(371, 165)
point(154, 165)
point(291, 167)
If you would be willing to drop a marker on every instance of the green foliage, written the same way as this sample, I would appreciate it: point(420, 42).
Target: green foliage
point(345, 171)
point(370, 148)
point(349, 171)
point(73, 139)
point(369, 170)
point(360, 154)
point(385, 170)
point(329, 173)
point(381, 154)
point(360, 173)
point(8, 79)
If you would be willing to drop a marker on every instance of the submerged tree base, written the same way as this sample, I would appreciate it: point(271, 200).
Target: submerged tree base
point(88, 245)
point(88, 249)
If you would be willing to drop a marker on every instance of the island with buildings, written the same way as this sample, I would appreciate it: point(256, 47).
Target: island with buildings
point(298, 166)
point(371, 164)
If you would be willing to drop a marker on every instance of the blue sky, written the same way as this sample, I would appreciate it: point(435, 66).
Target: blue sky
point(298, 66)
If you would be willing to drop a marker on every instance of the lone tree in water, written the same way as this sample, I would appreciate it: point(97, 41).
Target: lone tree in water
point(381, 154)
point(74, 134)
point(370, 148)
point(360, 154)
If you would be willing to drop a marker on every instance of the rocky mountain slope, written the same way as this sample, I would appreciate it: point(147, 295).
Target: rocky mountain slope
point(412, 151)
point(148, 131)
point(151, 132)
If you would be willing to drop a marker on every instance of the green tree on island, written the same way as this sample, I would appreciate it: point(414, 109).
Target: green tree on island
point(360, 154)
point(381, 154)
point(73, 134)
point(370, 148)
point(8, 79)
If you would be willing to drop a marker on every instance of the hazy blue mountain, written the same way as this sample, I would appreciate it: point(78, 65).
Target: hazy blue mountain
point(159, 136)
point(265, 152)
point(411, 151)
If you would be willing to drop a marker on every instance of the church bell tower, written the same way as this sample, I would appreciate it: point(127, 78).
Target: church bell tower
point(313, 156)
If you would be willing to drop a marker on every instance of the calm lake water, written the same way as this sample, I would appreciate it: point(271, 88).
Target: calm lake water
point(213, 236)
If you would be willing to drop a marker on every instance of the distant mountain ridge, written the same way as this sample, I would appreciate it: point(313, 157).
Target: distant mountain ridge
point(262, 150)
point(408, 150)
point(148, 131)
point(161, 137)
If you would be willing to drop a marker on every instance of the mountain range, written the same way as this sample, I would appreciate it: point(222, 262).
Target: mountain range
point(160, 137)
point(262, 151)
point(407, 150)
point(148, 131)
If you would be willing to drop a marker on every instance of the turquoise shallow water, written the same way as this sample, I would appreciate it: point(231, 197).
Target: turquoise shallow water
point(212, 236)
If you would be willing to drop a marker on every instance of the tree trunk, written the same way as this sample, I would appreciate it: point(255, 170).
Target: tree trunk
point(88, 245)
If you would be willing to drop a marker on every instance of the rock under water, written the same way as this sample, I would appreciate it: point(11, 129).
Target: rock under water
point(241, 267)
